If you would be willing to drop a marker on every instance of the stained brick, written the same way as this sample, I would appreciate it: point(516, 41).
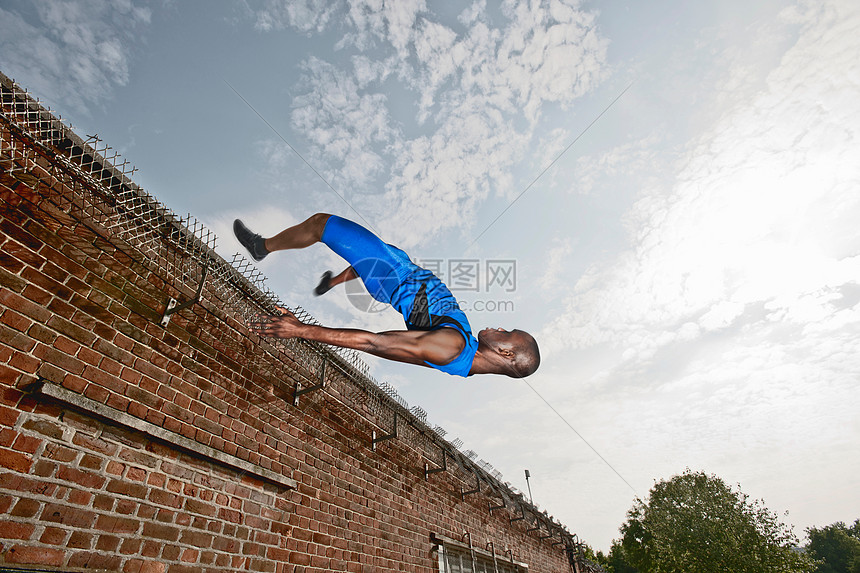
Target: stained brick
point(44, 427)
point(94, 444)
point(161, 531)
point(30, 555)
point(97, 561)
point(114, 524)
point(82, 478)
point(70, 516)
point(125, 488)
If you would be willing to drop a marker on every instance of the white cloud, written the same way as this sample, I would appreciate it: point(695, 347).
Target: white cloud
point(472, 134)
point(763, 210)
point(304, 15)
point(342, 124)
point(76, 53)
point(557, 263)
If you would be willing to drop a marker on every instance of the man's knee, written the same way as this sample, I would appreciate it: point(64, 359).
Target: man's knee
point(318, 221)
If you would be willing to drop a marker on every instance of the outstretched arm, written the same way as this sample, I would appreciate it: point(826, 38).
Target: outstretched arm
point(411, 346)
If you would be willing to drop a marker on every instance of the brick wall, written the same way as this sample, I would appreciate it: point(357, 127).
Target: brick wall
point(128, 446)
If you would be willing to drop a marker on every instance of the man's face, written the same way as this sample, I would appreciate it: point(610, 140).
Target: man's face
point(498, 337)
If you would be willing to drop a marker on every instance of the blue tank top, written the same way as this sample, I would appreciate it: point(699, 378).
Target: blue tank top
point(427, 304)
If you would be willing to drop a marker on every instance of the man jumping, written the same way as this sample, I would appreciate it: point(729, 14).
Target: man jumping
point(438, 334)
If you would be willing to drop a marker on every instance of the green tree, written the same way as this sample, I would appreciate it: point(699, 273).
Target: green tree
point(695, 523)
point(836, 547)
point(617, 560)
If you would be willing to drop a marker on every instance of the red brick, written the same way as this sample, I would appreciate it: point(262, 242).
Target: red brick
point(294, 558)
point(15, 530)
point(118, 402)
point(16, 340)
point(8, 416)
point(15, 461)
point(83, 478)
point(80, 540)
point(96, 393)
point(125, 488)
point(53, 536)
point(136, 474)
point(21, 554)
point(26, 507)
point(107, 543)
point(24, 362)
point(115, 524)
point(44, 427)
point(89, 461)
point(14, 320)
point(66, 346)
point(44, 468)
point(162, 497)
point(94, 444)
point(69, 516)
point(79, 497)
point(140, 566)
point(170, 553)
point(30, 309)
point(10, 396)
point(161, 531)
point(74, 383)
point(91, 560)
point(26, 444)
point(42, 334)
point(130, 546)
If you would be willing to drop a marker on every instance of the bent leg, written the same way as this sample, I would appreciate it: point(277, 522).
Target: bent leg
point(299, 236)
point(327, 281)
point(348, 274)
point(373, 261)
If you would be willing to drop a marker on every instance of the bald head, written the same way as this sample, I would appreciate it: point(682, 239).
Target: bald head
point(513, 353)
point(527, 355)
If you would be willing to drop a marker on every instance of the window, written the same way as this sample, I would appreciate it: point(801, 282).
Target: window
point(458, 557)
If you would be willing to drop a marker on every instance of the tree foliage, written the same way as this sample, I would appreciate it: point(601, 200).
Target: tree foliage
point(836, 547)
point(695, 523)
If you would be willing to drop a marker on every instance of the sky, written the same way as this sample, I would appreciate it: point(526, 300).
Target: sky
point(666, 194)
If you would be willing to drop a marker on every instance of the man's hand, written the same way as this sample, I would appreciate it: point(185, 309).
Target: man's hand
point(284, 326)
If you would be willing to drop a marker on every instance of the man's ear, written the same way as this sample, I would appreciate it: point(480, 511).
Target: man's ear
point(507, 353)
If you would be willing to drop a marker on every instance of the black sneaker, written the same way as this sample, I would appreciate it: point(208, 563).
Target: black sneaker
point(255, 244)
point(325, 284)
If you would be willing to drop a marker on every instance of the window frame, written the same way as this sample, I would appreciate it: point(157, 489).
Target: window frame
point(447, 547)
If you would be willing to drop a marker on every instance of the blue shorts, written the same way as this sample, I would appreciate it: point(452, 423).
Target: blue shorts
point(390, 277)
point(381, 267)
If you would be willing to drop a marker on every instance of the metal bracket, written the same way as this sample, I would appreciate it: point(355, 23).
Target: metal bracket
point(299, 391)
point(428, 471)
point(495, 507)
point(477, 489)
point(521, 517)
point(174, 306)
point(393, 434)
point(535, 528)
point(542, 537)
